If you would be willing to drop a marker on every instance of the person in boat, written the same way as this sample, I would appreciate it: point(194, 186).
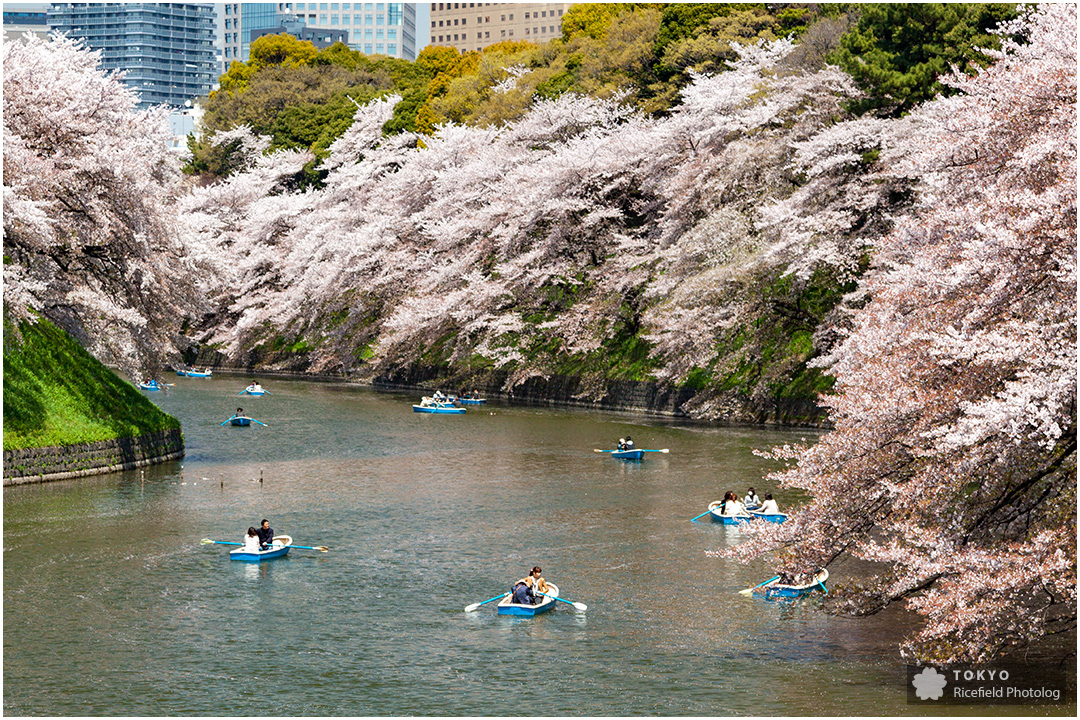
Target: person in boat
point(535, 580)
point(239, 412)
point(523, 592)
point(733, 506)
point(629, 443)
point(265, 533)
point(751, 498)
point(769, 507)
point(251, 540)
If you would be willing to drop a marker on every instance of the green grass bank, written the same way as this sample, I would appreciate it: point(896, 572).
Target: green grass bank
point(56, 394)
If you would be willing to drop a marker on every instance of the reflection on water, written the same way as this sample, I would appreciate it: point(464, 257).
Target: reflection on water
point(112, 606)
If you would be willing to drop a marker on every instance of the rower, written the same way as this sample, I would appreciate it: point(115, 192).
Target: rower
point(265, 533)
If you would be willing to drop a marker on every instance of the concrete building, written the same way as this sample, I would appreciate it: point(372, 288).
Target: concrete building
point(166, 49)
point(20, 18)
point(474, 26)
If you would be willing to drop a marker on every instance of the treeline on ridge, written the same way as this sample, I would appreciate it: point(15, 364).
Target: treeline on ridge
point(645, 53)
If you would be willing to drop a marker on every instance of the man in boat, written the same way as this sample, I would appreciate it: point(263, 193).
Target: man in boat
point(266, 534)
point(628, 444)
point(523, 592)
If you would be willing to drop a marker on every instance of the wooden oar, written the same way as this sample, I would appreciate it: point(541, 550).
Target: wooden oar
point(748, 591)
point(580, 606)
point(320, 548)
point(470, 608)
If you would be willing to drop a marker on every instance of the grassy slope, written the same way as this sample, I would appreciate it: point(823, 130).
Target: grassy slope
point(56, 393)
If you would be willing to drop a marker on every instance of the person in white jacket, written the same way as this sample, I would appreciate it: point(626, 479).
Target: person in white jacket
point(251, 540)
point(769, 507)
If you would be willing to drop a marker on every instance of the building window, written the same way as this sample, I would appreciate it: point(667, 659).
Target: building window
point(378, 49)
point(391, 34)
point(380, 19)
point(479, 36)
point(333, 19)
point(322, 18)
point(367, 48)
point(367, 19)
point(543, 14)
point(333, 6)
point(391, 49)
point(378, 34)
point(504, 33)
point(526, 16)
point(346, 19)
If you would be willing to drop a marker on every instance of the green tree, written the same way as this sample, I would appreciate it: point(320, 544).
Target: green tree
point(896, 52)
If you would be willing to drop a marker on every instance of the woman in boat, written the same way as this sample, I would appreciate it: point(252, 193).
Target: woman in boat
point(751, 498)
point(769, 507)
point(251, 540)
point(535, 580)
point(733, 507)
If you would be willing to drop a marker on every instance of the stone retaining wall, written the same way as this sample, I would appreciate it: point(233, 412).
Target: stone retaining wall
point(60, 463)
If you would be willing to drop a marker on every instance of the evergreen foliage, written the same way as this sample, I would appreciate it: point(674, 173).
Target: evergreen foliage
point(897, 51)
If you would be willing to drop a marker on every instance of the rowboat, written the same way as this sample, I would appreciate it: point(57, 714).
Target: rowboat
point(716, 516)
point(776, 589)
point(240, 421)
point(471, 401)
point(439, 405)
point(506, 607)
point(151, 386)
point(628, 454)
point(279, 548)
point(197, 374)
point(181, 372)
point(253, 389)
point(769, 517)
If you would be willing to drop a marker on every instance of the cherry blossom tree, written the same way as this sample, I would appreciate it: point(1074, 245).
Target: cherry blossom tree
point(88, 185)
point(952, 466)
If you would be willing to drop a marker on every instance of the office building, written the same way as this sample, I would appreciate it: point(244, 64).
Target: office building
point(474, 26)
point(20, 18)
point(166, 49)
point(374, 28)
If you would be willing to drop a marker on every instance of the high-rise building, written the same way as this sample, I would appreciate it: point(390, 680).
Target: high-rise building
point(370, 28)
point(474, 26)
point(20, 18)
point(374, 28)
point(166, 49)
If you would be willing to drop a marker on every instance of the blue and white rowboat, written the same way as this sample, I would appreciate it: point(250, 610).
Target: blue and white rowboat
point(240, 421)
point(776, 590)
point(628, 454)
point(197, 374)
point(253, 390)
point(716, 516)
point(279, 548)
point(769, 517)
point(440, 409)
point(507, 607)
point(151, 386)
point(471, 401)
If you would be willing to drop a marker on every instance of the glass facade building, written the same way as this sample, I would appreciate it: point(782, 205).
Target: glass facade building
point(374, 28)
point(166, 49)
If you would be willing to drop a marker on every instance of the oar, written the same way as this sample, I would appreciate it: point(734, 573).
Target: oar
point(694, 519)
point(256, 421)
point(320, 548)
point(604, 451)
point(234, 416)
point(748, 591)
point(665, 450)
point(580, 606)
point(470, 608)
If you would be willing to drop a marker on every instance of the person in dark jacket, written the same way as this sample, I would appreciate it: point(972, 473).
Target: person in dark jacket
point(266, 534)
point(523, 593)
